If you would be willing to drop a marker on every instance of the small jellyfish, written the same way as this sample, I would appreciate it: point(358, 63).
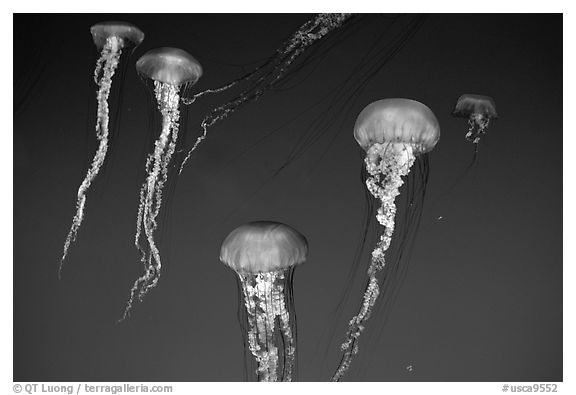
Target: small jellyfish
point(393, 132)
point(111, 39)
point(263, 255)
point(479, 110)
point(169, 72)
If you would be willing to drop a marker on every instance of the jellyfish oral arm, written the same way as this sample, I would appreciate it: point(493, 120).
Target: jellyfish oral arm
point(106, 66)
point(168, 98)
point(270, 336)
point(477, 125)
point(386, 165)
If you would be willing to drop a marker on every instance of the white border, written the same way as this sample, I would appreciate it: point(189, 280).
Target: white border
point(229, 6)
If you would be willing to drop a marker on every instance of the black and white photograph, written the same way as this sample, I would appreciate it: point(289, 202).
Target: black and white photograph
point(289, 197)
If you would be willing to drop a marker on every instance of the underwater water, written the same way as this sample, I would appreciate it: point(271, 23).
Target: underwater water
point(482, 300)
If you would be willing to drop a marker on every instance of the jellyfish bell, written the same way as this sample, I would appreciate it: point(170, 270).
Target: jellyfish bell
point(262, 247)
point(263, 255)
point(402, 121)
point(395, 134)
point(469, 103)
point(170, 66)
point(111, 39)
point(479, 110)
point(121, 30)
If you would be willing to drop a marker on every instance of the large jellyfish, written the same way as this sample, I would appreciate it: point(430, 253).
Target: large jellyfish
point(394, 133)
point(169, 72)
point(479, 110)
point(111, 39)
point(263, 255)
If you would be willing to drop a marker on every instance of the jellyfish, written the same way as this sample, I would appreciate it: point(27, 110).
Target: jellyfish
point(387, 35)
point(111, 39)
point(170, 72)
point(479, 110)
point(394, 133)
point(263, 255)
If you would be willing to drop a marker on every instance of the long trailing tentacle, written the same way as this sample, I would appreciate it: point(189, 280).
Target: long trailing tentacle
point(342, 99)
point(168, 98)
point(141, 206)
point(106, 66)
point(386, 165)
point(305, 36)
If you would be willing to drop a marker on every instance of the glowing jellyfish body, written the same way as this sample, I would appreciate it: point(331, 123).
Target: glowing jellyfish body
point(110, 38)
point(171, 71)
point(479, 110)
point(263, 255)
point(393, 132)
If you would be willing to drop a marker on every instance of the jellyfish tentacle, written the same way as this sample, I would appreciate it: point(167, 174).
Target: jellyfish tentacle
point(168, 101)
point(167, 96)
point(141, 211)
point(386, 165)
point(269, 324)
point(254, 319)
point(105, 69)
point(477, 126)
point(470, 135)
point(134, 292)
point(304, 37)
point(286, 330)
